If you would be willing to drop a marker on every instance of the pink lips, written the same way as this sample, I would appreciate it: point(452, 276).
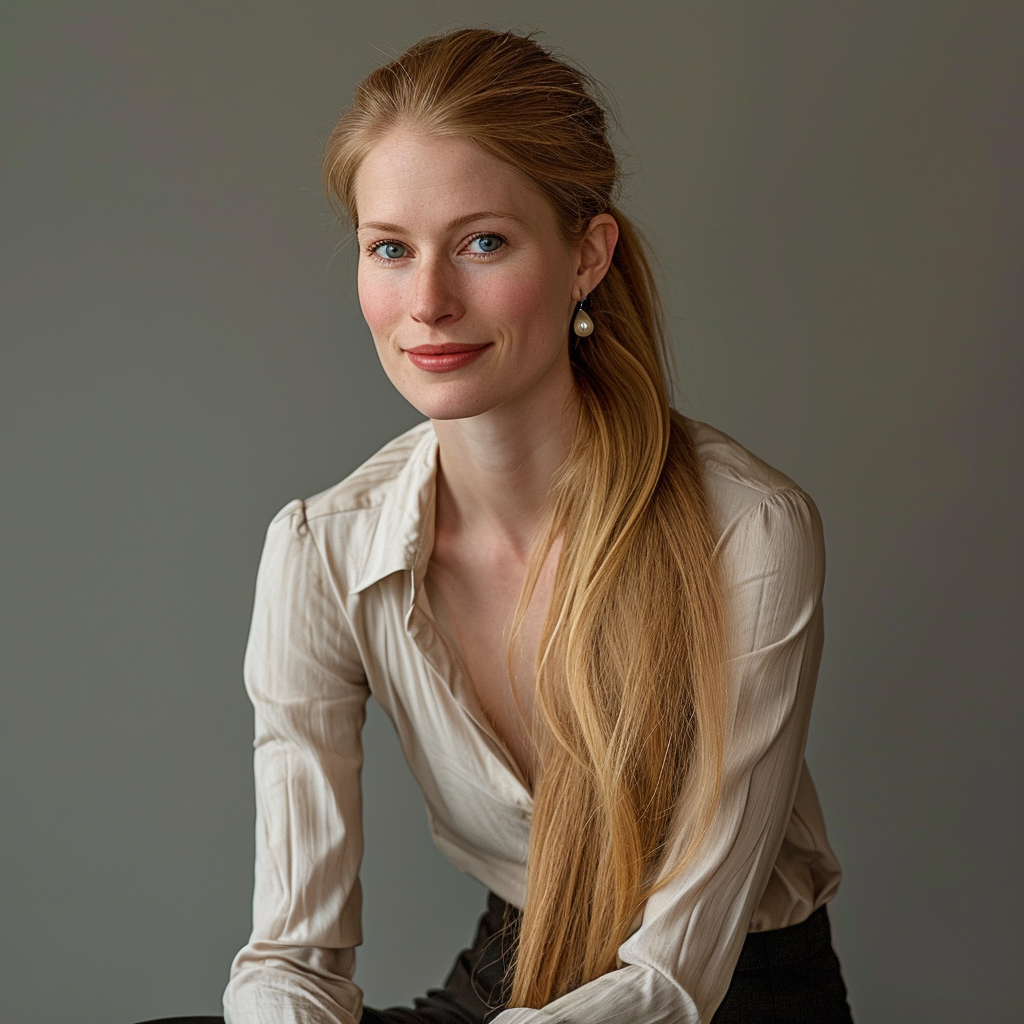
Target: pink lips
point(441, 358)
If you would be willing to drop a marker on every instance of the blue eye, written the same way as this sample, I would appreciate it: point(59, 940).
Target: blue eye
point(389, 250)
point(487, 243)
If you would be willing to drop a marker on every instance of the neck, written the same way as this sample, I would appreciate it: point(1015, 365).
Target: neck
point(495, 470)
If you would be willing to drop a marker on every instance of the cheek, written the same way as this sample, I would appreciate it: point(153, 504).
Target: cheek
point(531, 298)
point(379, 300)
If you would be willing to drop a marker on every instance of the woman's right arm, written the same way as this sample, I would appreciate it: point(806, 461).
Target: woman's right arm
point(306, 682)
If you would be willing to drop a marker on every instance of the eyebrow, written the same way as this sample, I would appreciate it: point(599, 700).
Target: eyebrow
point(377, 225)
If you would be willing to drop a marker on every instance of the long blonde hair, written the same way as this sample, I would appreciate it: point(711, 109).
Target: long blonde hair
point(629, 686)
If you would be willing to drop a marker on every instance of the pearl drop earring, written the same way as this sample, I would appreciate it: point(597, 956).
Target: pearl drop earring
point(582, 322)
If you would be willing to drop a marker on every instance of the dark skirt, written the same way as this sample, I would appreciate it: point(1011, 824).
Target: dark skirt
point(787, 976)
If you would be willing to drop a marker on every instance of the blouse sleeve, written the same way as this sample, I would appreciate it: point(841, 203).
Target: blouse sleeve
point(306, 682)
point(677, 966)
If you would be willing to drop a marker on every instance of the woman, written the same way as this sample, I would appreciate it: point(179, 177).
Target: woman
point(595, 624)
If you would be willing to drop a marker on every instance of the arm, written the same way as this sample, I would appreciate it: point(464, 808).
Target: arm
point(305, 679)
point(678, 965)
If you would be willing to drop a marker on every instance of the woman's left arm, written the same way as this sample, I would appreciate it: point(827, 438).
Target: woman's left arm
point(678, 964)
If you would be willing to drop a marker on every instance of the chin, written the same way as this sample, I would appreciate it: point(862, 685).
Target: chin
point(454, 400)
point(453, 410)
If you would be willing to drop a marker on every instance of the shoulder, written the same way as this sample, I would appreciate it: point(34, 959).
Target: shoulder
point(369, 485)
point(736, 480)
point(342, 526)
point(366, 488)
point(765, 524)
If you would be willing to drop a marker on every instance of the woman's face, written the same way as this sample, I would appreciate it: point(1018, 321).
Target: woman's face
point(464, 279)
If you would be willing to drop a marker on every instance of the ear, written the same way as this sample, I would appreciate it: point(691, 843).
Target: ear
point(596, 251)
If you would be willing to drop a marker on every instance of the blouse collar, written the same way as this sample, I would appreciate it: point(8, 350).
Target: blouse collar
point(403, 538)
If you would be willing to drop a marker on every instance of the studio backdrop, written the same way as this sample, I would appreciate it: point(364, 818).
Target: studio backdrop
point(832, 192)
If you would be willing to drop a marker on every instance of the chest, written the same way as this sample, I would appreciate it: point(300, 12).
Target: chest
point(479, 591)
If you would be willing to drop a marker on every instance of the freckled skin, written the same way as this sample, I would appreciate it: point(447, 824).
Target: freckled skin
point(518, 298)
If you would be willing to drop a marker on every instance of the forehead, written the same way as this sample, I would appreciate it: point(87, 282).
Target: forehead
point(410, 178)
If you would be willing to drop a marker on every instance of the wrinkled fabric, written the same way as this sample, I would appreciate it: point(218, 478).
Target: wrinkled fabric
point(784, 976)
point(341, 612)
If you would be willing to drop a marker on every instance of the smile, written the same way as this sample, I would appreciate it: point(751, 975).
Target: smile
point(441, 358)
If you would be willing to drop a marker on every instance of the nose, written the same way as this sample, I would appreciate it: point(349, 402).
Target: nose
point(435, 294)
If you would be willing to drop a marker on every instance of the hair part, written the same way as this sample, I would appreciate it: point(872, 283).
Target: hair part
point(630, 701)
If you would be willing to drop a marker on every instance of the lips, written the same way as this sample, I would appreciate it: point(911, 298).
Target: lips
point(442, 358)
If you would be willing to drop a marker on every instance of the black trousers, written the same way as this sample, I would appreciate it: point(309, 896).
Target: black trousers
point(787, 976)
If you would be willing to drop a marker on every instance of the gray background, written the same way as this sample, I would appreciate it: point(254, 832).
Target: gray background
point(833, 192)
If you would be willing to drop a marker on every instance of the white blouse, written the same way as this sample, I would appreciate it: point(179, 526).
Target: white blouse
point(341, 612)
